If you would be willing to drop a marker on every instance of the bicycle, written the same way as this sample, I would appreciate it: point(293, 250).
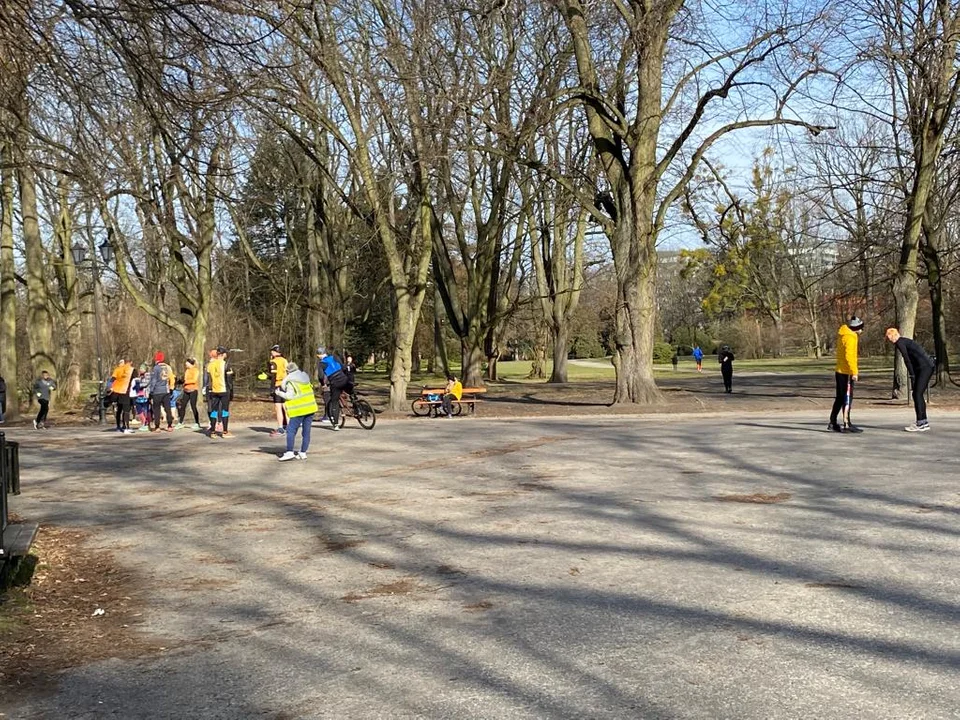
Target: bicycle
point(355, 407)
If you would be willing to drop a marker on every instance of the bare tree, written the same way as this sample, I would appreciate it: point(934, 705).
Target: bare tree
point(622, 93)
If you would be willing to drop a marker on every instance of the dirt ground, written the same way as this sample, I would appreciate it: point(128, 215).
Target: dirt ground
point(52, 623)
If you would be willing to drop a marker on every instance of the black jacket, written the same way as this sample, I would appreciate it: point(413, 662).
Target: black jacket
point(914, 356)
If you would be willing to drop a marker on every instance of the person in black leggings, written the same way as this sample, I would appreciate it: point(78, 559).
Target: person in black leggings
point(920, 367)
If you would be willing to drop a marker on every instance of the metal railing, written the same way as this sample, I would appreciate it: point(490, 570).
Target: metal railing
point(9, 483)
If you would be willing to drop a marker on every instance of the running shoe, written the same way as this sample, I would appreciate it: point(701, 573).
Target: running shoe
point(227, 434)
point(835, 427)
point(917, 427)
point(289, 455)
point(852, 429)
point(301, 455)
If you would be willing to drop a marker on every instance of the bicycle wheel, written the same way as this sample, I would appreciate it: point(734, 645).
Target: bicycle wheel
point(365, 415)
point(421, 407)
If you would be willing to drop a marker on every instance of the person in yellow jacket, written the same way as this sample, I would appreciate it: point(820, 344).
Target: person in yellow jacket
point(848, 339)
point(453, 391)
point(300, 404)
point(278, 372)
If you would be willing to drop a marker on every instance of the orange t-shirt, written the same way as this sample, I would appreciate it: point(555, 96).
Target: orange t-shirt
point(121, 379)
point(191, 379)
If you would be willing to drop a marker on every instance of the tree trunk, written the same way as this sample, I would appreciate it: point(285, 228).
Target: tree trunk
point(8, 287)
point(906, 298)
point(404, 329)
point(817, 344)
point(931, 257)
point(39, 316)
point(439, 346)
point(70, 371)
point(561, 344)
point(537, 366)
point(635, 261)
point(316, 334)
point(473, 357)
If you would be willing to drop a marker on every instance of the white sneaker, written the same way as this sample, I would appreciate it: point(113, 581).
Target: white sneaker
point(917, 428)
point(336, 427)
point(287, 456)
point(35, 426)
point(301, 455)
point(129, 431)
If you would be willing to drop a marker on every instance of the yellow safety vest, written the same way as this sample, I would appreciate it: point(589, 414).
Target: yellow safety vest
point(303, 403)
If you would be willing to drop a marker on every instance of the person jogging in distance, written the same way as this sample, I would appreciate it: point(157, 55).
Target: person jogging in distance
point(278, 371)
point(122, 379)
point(191, 387)
point(330, 368)
point(41, 389)
point(698, 356)
point(297, 393)
point(920, 366)
point(848, 339)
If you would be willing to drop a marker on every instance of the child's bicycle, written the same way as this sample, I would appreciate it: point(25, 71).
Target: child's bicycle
point(354, 407)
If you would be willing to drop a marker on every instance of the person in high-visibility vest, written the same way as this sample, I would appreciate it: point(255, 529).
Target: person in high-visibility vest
point(300, 404)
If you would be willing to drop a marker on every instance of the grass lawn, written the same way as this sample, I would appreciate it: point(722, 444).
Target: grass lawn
point(595, 369)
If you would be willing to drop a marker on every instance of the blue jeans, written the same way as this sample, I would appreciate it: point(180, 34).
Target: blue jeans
point(302, 423)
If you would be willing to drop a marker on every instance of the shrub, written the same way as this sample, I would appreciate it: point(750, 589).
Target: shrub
point(662, 353)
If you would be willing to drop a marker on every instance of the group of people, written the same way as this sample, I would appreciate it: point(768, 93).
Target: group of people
point(151, 394)
point(725, 357)
point(295, 402)
point(919, 364)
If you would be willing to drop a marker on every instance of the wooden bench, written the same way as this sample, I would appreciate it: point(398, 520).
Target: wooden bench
point(430, 401)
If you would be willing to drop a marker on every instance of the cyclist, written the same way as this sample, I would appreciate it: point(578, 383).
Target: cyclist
point(331, 372)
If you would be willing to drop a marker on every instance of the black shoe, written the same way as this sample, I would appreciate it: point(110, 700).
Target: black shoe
point(834, 427)
point(852, 429)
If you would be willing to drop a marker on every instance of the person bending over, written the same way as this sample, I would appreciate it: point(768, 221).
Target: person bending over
point(920, 366)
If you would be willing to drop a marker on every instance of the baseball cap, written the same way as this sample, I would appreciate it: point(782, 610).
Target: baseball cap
point(275, 348)
point(855, 323)
point(221, 349)
point(321, 350)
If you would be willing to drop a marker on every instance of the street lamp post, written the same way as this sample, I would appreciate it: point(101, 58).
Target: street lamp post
point(79, 253)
